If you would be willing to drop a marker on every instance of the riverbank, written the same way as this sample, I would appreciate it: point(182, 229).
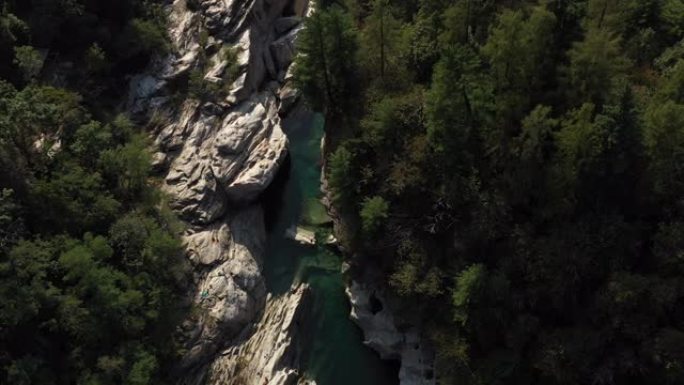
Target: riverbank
point(335, 354)
point(373, 307)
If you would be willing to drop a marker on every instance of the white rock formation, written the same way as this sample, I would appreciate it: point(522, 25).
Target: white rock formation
point(217, 155)
point(223, 160)
point(381, 334)
point(231, 290)
point(270, 354)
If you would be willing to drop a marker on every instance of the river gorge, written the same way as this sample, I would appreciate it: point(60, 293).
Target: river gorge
point(268, 309)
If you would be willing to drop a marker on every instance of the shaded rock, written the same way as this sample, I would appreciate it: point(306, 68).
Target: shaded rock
point(159, 161)
point(283, 49)
point(212, 109)
point(300, 8)
point(141, 89)
point(285, 24)
point(370, 311)
point(289, 96)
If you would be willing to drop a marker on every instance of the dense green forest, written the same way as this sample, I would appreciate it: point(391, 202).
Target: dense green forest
point(516, 168)
point(91, 268)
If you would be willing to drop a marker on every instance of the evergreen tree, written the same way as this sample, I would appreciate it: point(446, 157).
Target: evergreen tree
point(325, 66)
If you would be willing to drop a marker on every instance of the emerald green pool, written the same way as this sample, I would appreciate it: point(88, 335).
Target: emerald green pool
point(335, 353)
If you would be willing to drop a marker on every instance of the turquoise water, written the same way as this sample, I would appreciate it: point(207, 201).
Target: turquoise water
point(335, 353)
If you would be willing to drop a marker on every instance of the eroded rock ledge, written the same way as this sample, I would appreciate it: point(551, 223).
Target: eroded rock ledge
point(217, 154)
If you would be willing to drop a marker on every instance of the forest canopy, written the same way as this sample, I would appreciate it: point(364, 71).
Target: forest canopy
point(91, 267)
point(516, 168)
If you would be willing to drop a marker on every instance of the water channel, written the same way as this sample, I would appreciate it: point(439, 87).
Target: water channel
point(335, 354)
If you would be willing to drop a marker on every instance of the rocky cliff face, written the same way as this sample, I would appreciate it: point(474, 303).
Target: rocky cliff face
point(217, 153)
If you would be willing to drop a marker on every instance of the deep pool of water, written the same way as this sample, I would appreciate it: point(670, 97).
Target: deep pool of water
point(335, 353)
